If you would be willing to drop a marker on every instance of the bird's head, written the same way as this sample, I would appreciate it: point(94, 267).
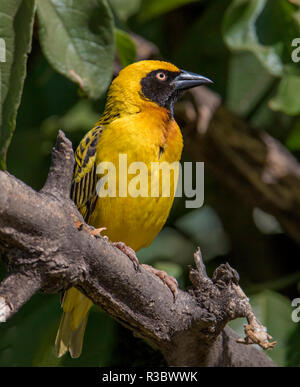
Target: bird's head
point(151, 81)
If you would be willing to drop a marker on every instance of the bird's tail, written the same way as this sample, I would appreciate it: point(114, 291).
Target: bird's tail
point(71, 330)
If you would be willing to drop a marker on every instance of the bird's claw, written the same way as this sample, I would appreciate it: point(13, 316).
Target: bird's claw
point(168, 280)
point(97, 231)
point(129, 252)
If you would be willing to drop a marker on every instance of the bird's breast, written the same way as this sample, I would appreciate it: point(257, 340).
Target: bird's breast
point(139, 147)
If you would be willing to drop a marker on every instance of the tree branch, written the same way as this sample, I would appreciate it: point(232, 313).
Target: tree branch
point(47, 246)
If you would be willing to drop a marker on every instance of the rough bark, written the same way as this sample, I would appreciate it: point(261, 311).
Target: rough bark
point(48, 247)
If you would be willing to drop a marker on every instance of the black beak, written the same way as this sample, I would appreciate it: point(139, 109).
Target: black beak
point(186, 80)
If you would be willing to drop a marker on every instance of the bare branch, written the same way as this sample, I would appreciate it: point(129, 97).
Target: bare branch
point(57, 183)
point(16, 290)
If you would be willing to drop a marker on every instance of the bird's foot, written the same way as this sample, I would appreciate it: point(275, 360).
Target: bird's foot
point(129, 252)
point(168, 280)
point(97, 231)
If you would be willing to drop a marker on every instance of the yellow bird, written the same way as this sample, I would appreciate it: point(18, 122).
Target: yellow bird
point(138, 121)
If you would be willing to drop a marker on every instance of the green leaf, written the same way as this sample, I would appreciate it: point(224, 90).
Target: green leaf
point(169, 246)
point(266, 28)
point(77, 38)
point(125, 9)
point(97, 345)
point(293, 351)
point(202, 55)
point(21, 335)
point(296, 2)
point(247, 82)
point(125, 47)
point(287, 99)
point(205, 228)
point(265, 222)
point(274, 312)
point(277, 284)
point(27, 339)
point(154, 8)
point(16, 22)
point(293, 139)
point(171, 268)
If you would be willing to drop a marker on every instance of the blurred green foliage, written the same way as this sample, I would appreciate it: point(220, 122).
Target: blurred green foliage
point(77, 38)
point(125, 47)
point(16, 20)
point(245, 46)
point(266, 305)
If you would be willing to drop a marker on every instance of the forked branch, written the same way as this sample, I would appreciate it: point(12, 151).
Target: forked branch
point(45, 250)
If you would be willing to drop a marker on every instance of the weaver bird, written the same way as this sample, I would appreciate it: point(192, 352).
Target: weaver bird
point(138, 121)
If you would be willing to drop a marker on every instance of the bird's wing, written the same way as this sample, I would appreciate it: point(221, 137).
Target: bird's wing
point(83, 191)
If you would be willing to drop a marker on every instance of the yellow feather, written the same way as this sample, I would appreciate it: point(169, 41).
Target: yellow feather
point(133, 125)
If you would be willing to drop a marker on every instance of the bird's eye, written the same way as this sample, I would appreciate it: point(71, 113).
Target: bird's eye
point(161, 76)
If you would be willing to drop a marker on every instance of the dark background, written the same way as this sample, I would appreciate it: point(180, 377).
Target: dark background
point(195, 36)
